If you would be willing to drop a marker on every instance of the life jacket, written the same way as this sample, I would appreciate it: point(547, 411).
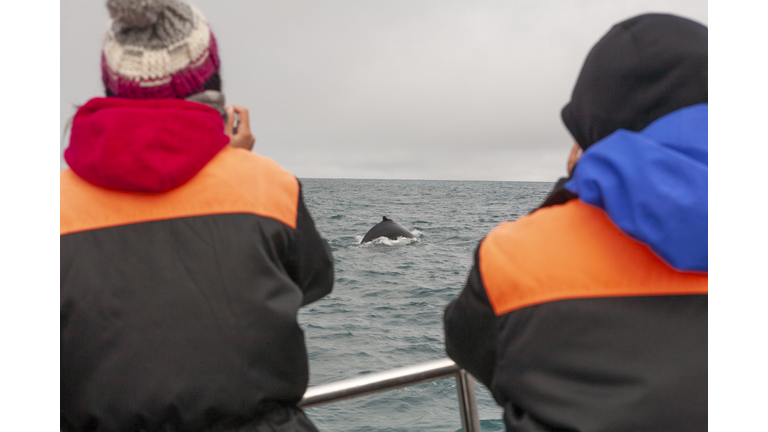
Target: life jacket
point(183, 265)
point(593, 331)
point(591, 312)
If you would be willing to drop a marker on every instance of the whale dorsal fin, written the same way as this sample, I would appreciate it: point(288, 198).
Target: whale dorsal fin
point(384, 219)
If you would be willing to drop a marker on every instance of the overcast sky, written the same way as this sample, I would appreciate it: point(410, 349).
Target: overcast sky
point(403, 89)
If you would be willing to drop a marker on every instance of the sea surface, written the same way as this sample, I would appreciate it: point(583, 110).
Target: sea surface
point(386, 308)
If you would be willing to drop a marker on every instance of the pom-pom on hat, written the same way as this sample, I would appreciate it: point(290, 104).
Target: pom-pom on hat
point(157, 49)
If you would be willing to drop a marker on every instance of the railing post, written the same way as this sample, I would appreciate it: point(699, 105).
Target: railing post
point(465, 385)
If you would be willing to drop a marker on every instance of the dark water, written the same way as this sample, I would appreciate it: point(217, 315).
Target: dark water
point(387, 304)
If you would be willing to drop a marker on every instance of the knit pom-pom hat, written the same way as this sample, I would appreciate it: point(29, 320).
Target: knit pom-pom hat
point(157, 49)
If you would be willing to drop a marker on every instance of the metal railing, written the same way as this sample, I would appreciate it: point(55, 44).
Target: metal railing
point(401, 377)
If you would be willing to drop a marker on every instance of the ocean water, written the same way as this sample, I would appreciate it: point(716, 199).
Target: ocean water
point(386, 308)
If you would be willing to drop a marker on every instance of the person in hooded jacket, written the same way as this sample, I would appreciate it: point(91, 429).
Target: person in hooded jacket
point(590, 314)
point(184, 256)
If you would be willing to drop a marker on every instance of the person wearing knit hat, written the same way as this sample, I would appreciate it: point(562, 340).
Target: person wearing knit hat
point(165, 49)
point(185, 256)
point(590, 313)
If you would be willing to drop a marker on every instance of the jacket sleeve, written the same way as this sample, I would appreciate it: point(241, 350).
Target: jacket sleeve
point(470, 328)
point(312, 264)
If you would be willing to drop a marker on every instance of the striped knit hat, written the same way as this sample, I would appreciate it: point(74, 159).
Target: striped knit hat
point(157, 49)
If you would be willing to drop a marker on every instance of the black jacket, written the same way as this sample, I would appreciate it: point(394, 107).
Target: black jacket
point(178, 309)
point(574, 326)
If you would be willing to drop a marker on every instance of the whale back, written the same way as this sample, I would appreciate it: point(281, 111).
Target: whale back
point(387, 228)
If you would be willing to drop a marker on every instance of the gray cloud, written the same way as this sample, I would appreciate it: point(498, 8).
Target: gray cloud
point(421, 89)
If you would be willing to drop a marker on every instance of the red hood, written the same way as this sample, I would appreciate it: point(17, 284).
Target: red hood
point(151, 145)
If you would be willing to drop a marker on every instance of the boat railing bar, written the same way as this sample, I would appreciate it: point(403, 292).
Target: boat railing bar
point(401, 377)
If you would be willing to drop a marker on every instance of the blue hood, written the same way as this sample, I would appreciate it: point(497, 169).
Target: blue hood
point(653, 185)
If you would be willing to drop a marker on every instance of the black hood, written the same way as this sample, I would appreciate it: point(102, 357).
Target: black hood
point(642, 69)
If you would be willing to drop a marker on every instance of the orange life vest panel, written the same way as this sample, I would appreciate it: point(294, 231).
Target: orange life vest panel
point(573, 251)
point(234, 181)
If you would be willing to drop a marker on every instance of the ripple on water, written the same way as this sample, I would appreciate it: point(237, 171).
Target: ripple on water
point(388, 300)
